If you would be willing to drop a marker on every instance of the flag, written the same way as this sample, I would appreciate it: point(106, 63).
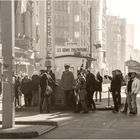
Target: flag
point(21, 6)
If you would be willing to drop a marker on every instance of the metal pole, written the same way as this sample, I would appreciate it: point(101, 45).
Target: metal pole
point(8, 43)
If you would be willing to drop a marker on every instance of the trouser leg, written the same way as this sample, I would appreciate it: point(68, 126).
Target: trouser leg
point(100, 95)
point(126, 105)
point(129, 102)
point(115, 96)
point(96, 93)
point(48, 100)
point(134, 103)
point(84, 105)
point(119, 98)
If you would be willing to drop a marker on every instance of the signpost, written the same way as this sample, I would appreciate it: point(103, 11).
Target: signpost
point(8, 41)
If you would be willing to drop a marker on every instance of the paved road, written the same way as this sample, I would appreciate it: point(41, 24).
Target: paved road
point(99, 124)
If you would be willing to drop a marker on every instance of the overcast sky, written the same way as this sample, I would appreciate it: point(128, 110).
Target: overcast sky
point(129, 9)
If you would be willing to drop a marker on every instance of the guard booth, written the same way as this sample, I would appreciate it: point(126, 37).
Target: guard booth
point(75, 63)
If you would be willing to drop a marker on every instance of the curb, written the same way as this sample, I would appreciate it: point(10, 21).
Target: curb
point(28, 134)
point(51, 123)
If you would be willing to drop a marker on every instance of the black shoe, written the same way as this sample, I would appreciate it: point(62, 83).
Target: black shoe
point(85, 112)
point(124, 112)
point(132, 113)
point(114, 111)
point(76, 111)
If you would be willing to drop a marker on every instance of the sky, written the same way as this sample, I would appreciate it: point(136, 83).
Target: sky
point(129, 9)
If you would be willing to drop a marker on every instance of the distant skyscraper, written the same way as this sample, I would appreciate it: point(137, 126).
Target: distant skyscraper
point(116, 43)
point(98, 19)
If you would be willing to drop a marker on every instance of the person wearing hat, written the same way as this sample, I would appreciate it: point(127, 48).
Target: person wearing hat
point(135, 91)
point(67, 84)
point(51, 83)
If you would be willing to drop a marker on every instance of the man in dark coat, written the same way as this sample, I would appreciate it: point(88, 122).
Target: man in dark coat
point(26, 89)
point(90, 87)
point(115, 89)
point(52, 84)
point(67, 83)
point(35, 89)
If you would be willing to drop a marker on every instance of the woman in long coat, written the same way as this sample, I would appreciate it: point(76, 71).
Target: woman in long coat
point(99, 80)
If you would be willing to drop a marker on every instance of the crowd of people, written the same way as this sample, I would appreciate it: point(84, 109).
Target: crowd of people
point(33, 88)
point(78, 94)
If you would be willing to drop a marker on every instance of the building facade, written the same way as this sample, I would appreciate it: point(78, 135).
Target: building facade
point(116, 43)
point(70, 32)
point(98, 27)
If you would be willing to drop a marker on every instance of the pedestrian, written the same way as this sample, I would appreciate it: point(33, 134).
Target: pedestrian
point(52, 84)
point(99, 80)
point(35, 88)
point(121, 79)
point(128, 94)
point(26, 89)
point(115, 89)
point(135, 91)
point(67, 84)
point(90, 87)
point(81, 93)
point(17, 91)
point(44, 77)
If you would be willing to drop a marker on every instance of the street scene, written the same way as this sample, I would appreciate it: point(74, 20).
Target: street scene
point(69, 69)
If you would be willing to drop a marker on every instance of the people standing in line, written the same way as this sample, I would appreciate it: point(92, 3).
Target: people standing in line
point(17, 91)
point(26, 89)
point(135, 91)
point(67, 84)
point(52, 84)
point(99, 80)
point(128, 94)
point(81, 93)
point(35, 88)
point(90, 87)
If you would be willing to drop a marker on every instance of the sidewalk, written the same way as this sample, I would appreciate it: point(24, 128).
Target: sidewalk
point(29, 123)
point(96, 125)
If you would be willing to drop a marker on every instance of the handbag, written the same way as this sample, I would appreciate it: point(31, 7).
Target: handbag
point(48, 90)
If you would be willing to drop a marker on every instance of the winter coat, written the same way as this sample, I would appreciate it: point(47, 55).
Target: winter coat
point(90, 82)
point(67, 80)
point(35, 82)
point(26, 86)
point(116, 84)
point(99, 81)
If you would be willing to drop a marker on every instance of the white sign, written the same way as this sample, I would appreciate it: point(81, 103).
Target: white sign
point(70, 50)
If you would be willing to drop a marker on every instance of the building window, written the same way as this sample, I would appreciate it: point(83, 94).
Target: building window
point(76, 18)
point(76, 34)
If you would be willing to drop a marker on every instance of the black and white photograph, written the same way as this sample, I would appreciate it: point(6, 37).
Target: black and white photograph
point(69, 69)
